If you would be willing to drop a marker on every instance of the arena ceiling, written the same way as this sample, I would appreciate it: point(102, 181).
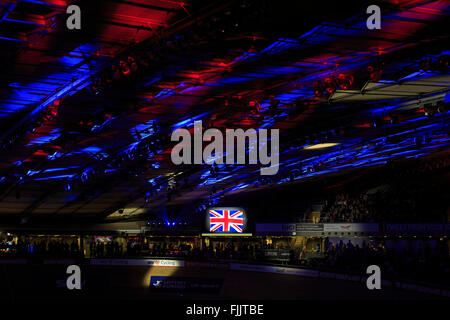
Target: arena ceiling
point(86, 116)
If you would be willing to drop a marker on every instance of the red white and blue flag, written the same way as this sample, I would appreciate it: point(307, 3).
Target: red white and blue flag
point(226, 220)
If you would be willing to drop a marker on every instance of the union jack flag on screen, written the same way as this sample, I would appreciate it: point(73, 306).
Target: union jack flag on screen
point(226, 220)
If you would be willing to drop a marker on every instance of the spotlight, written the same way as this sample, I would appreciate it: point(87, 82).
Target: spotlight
point(345, 81)
point(125, 68)
point(330, 85)
point(120, 211)
point(116, 73)
point(375, 70)
point(318, 88)
point(375, 73)
point(133, 64)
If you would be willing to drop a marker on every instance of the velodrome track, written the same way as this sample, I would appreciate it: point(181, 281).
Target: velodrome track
point(130, 279)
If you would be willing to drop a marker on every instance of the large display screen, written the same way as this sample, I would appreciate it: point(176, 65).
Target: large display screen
point(226, 220)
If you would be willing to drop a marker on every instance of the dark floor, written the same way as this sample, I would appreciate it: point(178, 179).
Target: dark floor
point(44, 282)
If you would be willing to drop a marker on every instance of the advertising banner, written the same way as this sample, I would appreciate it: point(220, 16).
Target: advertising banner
point(275, 228)
point(309, 227)
point(139, 262)
point(351, 227)
point(412, 228)
point(274, 269)
point(184, 284)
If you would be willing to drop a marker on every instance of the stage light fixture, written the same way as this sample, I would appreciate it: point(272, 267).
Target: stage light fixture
point(375, 70)
point(320, 146)
point(345, 81)
point(375, 73)
point(318, 88)
point(116, 73)
point(125, 68)
point(330, 85)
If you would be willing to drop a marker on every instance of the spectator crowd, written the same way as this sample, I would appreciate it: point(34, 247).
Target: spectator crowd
point(426, 264)
point(406, 203)
point(430, 264)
